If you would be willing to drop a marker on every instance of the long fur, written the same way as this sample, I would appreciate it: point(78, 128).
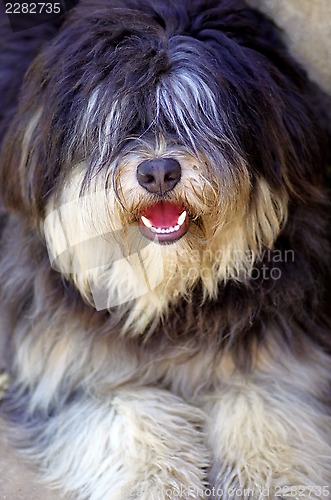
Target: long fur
point(140, 370)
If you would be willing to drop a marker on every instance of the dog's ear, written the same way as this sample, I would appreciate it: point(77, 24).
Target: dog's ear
point(26, 162)
point(22, 157)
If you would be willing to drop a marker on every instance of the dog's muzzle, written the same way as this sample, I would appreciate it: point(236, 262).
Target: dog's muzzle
point(164, 222)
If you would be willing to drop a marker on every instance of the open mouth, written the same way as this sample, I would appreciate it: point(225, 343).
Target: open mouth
point(165, 222)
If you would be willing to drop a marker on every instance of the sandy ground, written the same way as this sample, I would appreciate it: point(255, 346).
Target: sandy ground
point(18, 480)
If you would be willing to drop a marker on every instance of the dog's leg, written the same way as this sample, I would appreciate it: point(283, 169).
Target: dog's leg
point(96, 423)
point(270, 432)
point(145, 444)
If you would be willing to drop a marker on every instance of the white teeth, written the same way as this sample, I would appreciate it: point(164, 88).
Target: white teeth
point(163, 230)
point(181, 218)
point(146, 222)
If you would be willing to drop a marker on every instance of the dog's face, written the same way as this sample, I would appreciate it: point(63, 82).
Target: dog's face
point(178, 138)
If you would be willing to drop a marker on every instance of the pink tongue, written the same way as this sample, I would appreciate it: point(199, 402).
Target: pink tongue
point(163, 214)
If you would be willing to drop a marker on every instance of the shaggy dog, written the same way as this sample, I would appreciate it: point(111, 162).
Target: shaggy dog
point(164, 254)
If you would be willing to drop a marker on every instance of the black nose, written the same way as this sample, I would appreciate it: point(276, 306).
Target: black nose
point(159, 175)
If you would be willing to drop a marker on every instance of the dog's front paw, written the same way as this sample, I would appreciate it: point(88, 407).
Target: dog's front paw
point(144, 444)
point(176, 476)
point(165, 482)
point(265, 439)
point(163, 451)
point(239, 480)
point(245, 481)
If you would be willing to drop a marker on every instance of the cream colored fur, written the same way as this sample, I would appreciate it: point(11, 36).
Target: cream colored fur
point(94, 241)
